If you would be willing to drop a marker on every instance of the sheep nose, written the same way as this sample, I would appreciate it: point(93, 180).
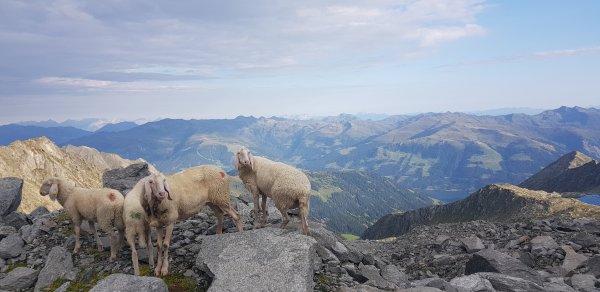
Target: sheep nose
point(161, 195)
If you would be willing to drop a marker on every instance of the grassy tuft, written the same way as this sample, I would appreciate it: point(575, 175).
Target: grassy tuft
point(16, 265)
point(348, 236)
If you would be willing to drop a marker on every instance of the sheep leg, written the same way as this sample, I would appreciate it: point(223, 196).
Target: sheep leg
point(219, 213)
point(92, 227)
point(77, 229)
point(134, 256)
point(265, 211)
point(285, 216)
point(235, 216)
point(256, 205)
point(303, 210)
point(159, 245)
point(167, 242)
point(115, 241)
point(149, 246)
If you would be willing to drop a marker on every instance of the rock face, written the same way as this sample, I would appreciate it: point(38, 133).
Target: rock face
point(59, 264)
point(10, 194)
point(19, 278)
point(493, 202)
point(130, 283)
point(266, 259)
point(11, 246)
point(124, 179)
point(574, 172)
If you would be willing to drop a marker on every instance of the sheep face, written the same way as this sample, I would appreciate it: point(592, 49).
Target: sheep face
point(243, 158)
point(49, 187)
point(156, 186)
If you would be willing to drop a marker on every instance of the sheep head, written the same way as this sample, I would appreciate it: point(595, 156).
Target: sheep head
point(243, 158)
point(50, 187)
point(155, 185)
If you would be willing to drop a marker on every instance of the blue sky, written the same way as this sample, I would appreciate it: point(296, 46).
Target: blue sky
point(211, 59)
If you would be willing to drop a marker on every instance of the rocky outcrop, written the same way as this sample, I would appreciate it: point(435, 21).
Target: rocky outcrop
point(573, 174)
point(124, 178)
point(59, 265)
point(268, 259)
point(10, 194)
point(18, 279)
point(499, 202)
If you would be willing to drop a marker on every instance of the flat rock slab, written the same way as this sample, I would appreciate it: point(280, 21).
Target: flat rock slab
point(130, 283)
point(267, 259)
point(494, 261)
point(59, 264)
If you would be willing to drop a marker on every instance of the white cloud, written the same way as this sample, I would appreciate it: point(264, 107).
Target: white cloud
point(568, 52)
point(431, 36)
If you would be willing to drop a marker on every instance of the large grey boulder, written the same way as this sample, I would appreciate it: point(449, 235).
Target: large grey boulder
point(11, 246)
point(494, 261)
point(506, 283)
point(19, 278)
point(267, 259)
point(6, 231)
point(584, 282)
point(394, 275)
point(593, 265)
point(130, 283)
point(11, 189)
point(123, 179)
point(59, 264)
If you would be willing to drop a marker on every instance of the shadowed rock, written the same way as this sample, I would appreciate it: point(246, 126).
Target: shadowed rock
point(10, 194)
point(130, 283)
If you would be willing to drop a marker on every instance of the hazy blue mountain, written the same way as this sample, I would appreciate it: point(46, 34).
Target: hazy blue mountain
point(90, 124)
point(117, 127)
point(60, 135)
point(508, 111)
point(430, 152)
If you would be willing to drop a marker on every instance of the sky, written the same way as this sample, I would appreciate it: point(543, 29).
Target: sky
point(126, 60)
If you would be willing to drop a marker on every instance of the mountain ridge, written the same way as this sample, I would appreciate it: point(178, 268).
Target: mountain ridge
point(496, 202)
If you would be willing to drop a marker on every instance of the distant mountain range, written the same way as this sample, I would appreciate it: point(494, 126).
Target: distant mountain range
point(348, 202)
point(428, 152)
point(491, 203)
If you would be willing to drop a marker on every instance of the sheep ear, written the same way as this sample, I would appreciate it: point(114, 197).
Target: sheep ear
point(147, 190)
point(53, 192)
point(168, 189)
point(236, 161)
point(251, 159)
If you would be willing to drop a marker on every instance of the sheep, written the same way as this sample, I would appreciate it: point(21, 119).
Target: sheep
point(137, 222)
point(187, 192)
point(287, 186)
point(104, 206)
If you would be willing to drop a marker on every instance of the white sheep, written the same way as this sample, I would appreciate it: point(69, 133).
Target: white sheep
point(287, 186)
point(104, 206)
point(188, 192)
point(137, 222)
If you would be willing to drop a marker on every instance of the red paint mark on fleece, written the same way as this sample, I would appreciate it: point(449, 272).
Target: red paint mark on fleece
point(222, 174)
point(111, 197)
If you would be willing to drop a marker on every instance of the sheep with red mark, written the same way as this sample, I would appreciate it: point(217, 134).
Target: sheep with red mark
point(180, 196)
point(103, 206)
point(287, 186)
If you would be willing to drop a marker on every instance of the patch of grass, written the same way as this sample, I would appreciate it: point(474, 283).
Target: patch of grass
point(62, 217)
point(176, 282)
point(16, 265)
point(56, 284)
point(79, 284)
point(94, 252)
point(324, 282)
point(348, 236)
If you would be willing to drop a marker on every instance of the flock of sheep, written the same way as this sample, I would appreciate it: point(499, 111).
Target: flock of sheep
point(159, 201)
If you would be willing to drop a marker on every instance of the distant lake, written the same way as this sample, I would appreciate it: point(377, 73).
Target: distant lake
point(591, 199)
point(447, 196)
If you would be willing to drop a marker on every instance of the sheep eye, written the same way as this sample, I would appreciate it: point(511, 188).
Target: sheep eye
point(151, 182)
